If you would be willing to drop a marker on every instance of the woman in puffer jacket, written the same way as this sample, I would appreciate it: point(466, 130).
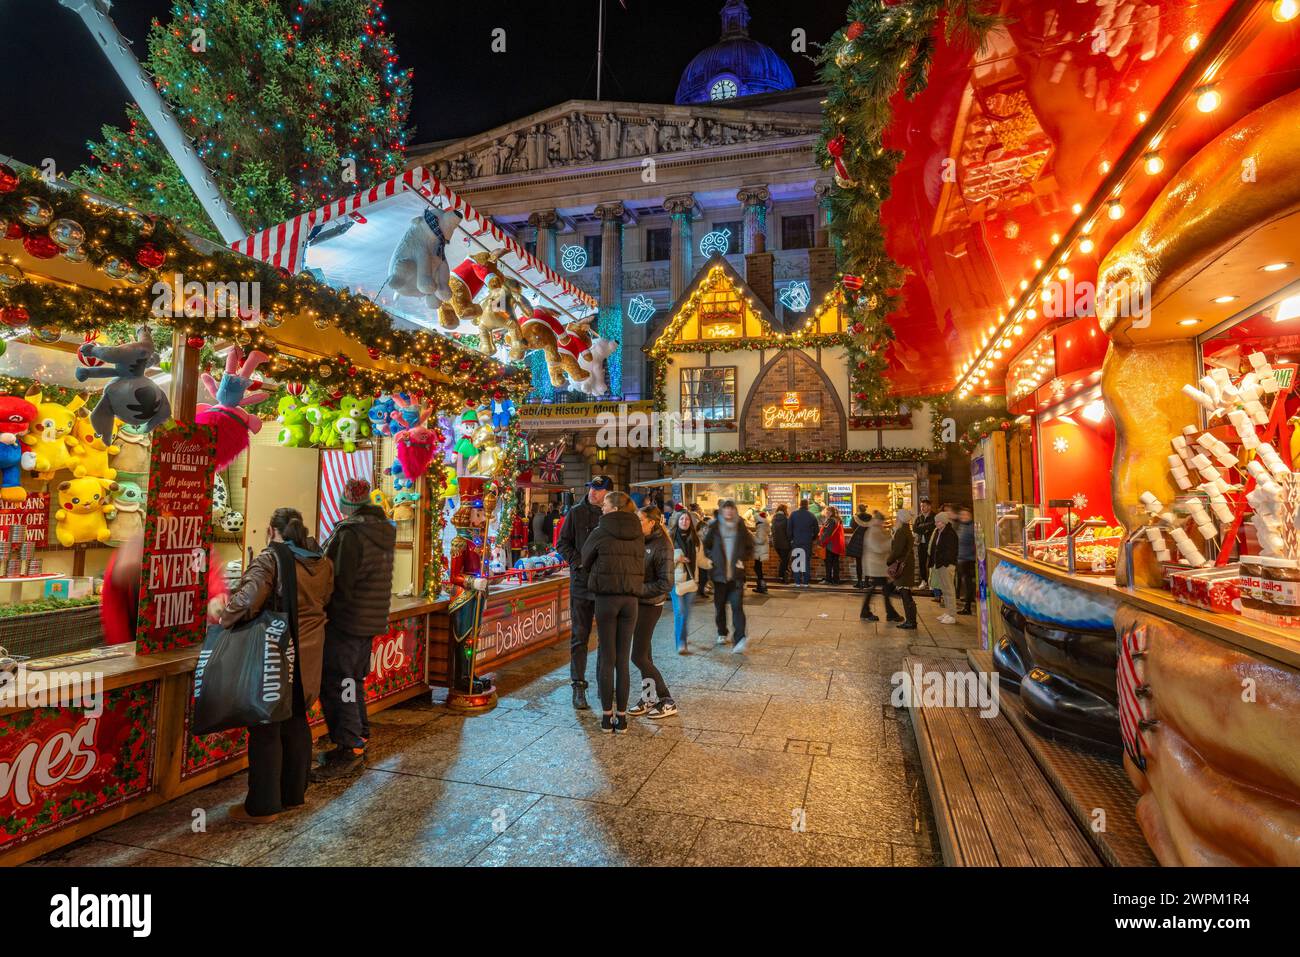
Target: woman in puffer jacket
point(654, 592)
point(614, 555)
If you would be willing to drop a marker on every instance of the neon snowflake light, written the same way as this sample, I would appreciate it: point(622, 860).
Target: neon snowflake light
point(573, 258)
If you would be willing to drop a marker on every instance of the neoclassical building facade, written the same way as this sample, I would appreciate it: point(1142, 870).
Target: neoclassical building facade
point(629, 199)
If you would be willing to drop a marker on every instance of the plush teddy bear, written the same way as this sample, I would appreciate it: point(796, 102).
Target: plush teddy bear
point(358, 409)
point(84, 510)
point(50, 436)
point(16, 417)
point(321, 419)
point(295, 430)
point(128, 517)
point(91, 452)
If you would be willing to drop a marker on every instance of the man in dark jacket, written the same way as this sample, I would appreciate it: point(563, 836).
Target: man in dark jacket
point(541, 540)
point(361, 548)
point(578, 524)
point(730, 546)
point(902, 561)
point(803, 532)
point(781, 542)
point(922, 530)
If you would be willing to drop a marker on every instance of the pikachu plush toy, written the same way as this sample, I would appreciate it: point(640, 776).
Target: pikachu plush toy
point(50, 437)
point(90, 452)
point(84, 511)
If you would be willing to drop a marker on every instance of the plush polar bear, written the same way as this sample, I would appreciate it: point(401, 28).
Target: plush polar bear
point(593, 362)
point(418, 267)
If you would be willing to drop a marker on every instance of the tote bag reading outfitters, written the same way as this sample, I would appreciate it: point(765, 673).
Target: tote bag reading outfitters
point(244, 675)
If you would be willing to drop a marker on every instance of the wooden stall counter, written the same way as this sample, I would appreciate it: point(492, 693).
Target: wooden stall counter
point(66, 772)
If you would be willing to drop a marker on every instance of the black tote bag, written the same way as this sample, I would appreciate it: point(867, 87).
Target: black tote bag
point(244, 675)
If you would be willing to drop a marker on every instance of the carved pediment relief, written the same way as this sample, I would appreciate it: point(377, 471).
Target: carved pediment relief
point(585, 133)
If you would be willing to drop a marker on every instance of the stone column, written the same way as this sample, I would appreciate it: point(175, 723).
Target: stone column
point(753, 202)
point(822, 221)
point(612, 323)
point(682, 209)
point(546, 222)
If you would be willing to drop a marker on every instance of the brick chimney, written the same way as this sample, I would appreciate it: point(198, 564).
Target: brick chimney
point(822, 271)
point(759, 271)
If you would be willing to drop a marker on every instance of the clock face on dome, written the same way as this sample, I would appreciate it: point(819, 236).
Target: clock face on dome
point(723, 89)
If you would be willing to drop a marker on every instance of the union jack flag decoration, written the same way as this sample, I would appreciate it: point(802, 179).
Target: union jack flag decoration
point(550, 467)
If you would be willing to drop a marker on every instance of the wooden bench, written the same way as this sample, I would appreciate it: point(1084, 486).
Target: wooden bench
point(993, 806)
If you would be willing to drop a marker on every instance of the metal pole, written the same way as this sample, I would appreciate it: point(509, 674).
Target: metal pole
point(94, 13)
point(600, 48)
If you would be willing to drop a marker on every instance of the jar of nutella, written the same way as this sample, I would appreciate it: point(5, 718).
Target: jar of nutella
point(1251, 572)
point(1278, 591)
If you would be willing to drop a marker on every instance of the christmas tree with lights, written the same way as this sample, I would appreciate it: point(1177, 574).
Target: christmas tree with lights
point(289, 103)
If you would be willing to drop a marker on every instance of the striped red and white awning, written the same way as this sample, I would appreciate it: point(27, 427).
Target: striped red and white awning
point(1134, 711)
point(336, 468)
point(284, 245)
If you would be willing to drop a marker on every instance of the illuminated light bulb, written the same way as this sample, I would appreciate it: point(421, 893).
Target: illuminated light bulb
point(1153, 163)
point(1087, 228)
point(1208, 99)
point(997, 354)
point(1284, 11)
point(1086, 246)
point(1222, 299)
point(1063, 273)
point(1018, 329)
point(1047, 295)
point(1056, 238)
point(1031, 314)
point(1142, 117)
point(1103, 167)
point(1011, 301)
point(1192, 42)
point(1274, 267)
point(1024, 284)
point(1077, 208)
point(1115, 209)
point(1038, 264)
point(1094, 411)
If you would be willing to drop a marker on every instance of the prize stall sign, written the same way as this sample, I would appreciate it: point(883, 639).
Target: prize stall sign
point(28, 520)
point(59, 765)
point(177, 539)
point(512, 625)
point(396, 663)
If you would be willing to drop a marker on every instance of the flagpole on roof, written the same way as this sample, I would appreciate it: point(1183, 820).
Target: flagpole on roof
point(600, 48)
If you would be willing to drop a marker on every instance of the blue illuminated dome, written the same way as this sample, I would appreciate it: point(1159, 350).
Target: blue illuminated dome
point(735, 65)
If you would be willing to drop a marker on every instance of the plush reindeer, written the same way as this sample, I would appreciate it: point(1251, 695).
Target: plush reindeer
point(228, 419)
point(416, 443)
point(132, 396)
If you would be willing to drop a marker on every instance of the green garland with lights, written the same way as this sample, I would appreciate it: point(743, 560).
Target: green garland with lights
point(782, 457)
point(153, 250)
point(881, 51)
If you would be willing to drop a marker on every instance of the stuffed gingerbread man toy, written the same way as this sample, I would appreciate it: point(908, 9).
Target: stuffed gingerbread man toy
point(16, 417)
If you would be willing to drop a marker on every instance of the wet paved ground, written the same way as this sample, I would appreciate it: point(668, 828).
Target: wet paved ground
point(798, 732)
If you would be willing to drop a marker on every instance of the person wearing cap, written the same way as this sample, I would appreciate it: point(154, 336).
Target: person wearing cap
point(578, 524)
point(729, 545)
point(361, 548)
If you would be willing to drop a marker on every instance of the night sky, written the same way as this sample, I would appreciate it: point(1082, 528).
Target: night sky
point(58, 88)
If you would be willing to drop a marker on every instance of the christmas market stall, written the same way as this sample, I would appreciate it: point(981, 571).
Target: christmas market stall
point(762, 410)
point(159, 389)
point(423, 254)
point(1136, 522)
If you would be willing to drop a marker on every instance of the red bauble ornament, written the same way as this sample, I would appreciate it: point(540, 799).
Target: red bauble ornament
point(1006, 426)
point(464, 366)
point(855, 30)
point(255, 385)
point(150, 256)
point(372, 352)
point(88, 361)
point(861, 397)
point(194, 342)
point(8, 179)
point(984, 435)
point(352, 370)
point(14, 316)
point(14, 231)
point(858, 328)
point(41, 246)
point(852, 283)
point(295, 388)
point(862, 366)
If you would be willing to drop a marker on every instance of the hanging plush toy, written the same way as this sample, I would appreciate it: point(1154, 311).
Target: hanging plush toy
point(418, 267)
point(227, 417)
point(380, 414)
point(50, 436)
point(295, 431)
point(502, 410)
point(450, 483)
point(404, 506)
point(415, 446)
point(16, 417)
point(91, 453)
point(128, 517)
point(84, 510)
point(132, 458)
point(465, 447)
point(357, 409)
point(490, 459)
point(405, 413)
point(380, 500)
point(132, 396)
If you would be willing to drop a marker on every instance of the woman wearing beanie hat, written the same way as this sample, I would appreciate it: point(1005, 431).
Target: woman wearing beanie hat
point(900, 570)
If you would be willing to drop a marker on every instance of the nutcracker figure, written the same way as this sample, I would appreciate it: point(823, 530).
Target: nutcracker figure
point(468, 693)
